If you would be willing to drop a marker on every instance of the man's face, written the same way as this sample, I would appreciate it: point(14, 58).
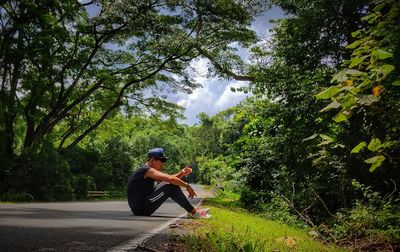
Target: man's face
point(158, 164)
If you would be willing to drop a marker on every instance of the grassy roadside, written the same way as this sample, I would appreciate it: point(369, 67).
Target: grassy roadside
point(234, 229)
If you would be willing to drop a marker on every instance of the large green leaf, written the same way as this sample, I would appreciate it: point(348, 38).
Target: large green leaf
point(375, 144)
point(367, 99)
point(368, 17)
point(354, 72)
point(357, 61)
point(342, 116)
point(332, 105)
point(326, 138)
point(396, 83)
point(379, 7)
point(354, 34)
point(313, 136)
point(354, 44)
point(386, 69)
point(348, 101)
point(381, 54)
point(375, 162)
point(324, 143)
point(339, 77)
point(359, 147)
point(328, 93)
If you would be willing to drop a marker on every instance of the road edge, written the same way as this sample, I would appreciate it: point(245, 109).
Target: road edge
point(135, 242)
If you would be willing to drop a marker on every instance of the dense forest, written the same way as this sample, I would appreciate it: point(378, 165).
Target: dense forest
point(84, 96)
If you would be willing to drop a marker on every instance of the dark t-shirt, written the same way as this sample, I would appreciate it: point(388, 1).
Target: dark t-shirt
point(139, 187)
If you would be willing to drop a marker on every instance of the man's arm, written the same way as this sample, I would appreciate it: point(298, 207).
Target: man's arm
point(179, 174)
point(185, 171)
point(160, 176)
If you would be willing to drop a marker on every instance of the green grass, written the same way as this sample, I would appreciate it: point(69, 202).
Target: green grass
point(234, 229)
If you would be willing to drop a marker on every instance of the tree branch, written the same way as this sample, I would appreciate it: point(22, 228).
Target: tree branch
point(94, 126)
point(66, 134)
point(118, 99)
point(221, 68)
point(55, 115)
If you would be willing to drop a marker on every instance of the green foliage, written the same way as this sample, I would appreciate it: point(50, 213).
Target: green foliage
point(359, 147)
point(81, 184)
point(278, 209)
point(81, 160)
point(370, 221)
point(328, 93)
point(366, 80)
point(44, 175)
point(114, 167)
point(106, 159)
point(207, 136)
point(215, 171)
point(371, 216)
point(12, 196)
point(375, 162)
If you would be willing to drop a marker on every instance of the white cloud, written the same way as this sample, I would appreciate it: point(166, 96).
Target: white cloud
point(201, 97)
point(229, 98)
point(214, 96)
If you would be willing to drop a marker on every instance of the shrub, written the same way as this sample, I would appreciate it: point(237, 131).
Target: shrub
point(44, 175)
point(14, 196)
point(115, 166)
point(214, 171)
point(278, 209)
point(81, 160)
point(82, 183)
point(373, 215)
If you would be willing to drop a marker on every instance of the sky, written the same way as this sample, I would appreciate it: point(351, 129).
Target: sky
point(215, 95)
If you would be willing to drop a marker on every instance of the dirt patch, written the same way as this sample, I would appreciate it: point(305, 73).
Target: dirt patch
point(372, 243)
point(170, 239)
point(162, 242)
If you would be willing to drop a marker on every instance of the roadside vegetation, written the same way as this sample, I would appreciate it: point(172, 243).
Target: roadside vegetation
point(232, 228)
point(317, 145)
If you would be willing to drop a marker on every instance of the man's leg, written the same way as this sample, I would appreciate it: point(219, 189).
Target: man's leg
point(160, 195)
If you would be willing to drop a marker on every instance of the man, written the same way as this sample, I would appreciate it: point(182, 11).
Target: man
point(149, 187)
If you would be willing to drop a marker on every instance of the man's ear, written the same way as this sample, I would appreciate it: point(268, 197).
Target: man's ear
point(151, 161)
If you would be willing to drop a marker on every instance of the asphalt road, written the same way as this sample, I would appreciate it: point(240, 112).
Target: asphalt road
point(79, 226)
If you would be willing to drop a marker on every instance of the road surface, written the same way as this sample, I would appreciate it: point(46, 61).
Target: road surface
point(80, 226)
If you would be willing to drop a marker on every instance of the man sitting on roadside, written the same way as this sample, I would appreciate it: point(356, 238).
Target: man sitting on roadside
point(149, 187)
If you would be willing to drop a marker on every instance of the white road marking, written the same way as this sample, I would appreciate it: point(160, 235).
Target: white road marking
point(135, 242)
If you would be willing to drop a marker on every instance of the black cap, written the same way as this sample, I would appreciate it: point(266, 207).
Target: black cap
point(157, 153)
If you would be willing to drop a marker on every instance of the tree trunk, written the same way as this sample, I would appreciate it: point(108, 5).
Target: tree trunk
point(11, 106)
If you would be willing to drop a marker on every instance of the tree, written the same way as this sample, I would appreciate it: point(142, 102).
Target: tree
point(62, 65)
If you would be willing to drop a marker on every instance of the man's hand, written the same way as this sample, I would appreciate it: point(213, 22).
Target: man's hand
point(191, 192)
point(186, 170)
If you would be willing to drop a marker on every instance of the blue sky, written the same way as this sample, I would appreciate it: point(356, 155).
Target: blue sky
point(216, 95)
